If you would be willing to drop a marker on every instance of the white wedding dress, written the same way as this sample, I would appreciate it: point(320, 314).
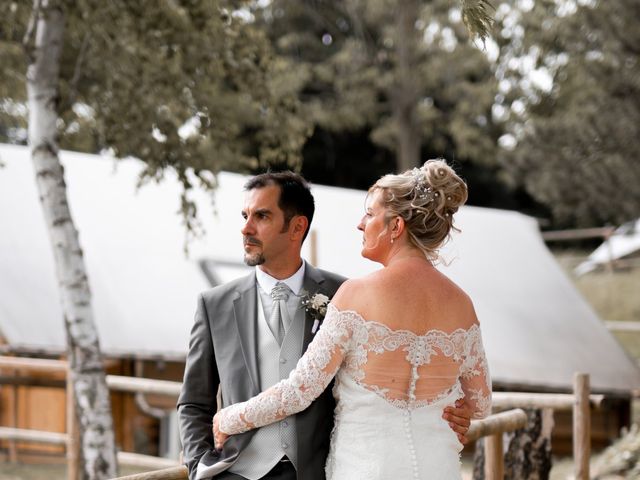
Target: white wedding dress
point(391, 388)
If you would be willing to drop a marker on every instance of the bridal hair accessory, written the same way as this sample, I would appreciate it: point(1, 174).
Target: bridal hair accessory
point(316, 307)
point(424, 191)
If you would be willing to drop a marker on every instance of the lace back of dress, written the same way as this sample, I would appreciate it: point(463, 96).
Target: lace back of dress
point(392, 375)
point(407, 369)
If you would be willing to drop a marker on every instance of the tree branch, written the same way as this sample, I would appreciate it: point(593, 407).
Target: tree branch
point(476, 17)
point(29, 35)
point(359, 29)
point(77, 71)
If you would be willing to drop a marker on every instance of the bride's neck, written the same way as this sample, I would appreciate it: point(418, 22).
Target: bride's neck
point(404, 254)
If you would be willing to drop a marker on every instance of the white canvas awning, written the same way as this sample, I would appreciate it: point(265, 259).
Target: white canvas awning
point(537, 329)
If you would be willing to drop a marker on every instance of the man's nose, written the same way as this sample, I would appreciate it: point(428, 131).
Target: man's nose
point(247, 228)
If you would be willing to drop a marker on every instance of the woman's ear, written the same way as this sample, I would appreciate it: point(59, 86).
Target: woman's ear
point(397, 226)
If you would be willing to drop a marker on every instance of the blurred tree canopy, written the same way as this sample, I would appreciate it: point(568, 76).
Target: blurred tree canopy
point(188, 86)
point(374, 75)
point(197, 86)
point(575, 145)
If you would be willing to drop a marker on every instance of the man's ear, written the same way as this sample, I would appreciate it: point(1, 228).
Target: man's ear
point(298, 226)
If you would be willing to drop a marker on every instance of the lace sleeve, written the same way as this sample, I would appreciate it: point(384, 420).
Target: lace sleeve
point(475, 379)
point(305, 383)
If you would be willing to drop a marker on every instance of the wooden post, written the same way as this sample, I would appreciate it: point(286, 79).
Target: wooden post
point(15, 400)
point(581, 426)
point(493, 458)
point(73, 446)
point(313, 248)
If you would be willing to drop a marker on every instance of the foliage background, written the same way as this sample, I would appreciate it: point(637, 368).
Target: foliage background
point(197, 86)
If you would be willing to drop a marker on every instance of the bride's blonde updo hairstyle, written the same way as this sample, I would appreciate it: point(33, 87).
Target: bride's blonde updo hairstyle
point(426, 198)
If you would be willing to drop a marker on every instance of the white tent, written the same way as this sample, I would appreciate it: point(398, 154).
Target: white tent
point(538, 330)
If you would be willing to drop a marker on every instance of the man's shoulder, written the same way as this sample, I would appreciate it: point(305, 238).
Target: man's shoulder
point(336, 277)
point(331, 278)
point(229, 288)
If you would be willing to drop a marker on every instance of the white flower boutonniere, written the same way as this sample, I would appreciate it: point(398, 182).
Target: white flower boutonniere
point(316, 306)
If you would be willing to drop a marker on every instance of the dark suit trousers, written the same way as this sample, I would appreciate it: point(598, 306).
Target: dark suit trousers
point(282, 471)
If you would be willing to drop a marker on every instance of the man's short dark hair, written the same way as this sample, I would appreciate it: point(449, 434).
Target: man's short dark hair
point(295, 194)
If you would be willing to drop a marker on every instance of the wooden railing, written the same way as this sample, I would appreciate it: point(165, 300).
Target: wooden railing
point(174, 473)
point(580, 402)
point(491, 427)
point(70, 438)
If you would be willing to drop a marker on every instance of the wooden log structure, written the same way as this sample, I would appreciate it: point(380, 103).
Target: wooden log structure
point(577, 234)
point(143, 385)
point(556, 401)
point(492, 428)
point(146, 461)
point(581, 426)
point(172, 473)
point(497, 423)
point(21, 434)
point(33, 364)
point(73, 434)
point(494, 457)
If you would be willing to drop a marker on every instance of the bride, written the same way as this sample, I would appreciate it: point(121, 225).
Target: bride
point(402, 343)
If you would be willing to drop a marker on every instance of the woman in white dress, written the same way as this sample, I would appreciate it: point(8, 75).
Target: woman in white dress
point(402, 343)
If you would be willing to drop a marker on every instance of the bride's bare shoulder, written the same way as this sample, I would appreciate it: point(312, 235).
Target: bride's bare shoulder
point(354, 293)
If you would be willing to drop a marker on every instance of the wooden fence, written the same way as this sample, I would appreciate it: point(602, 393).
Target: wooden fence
point(491, 427)
point(70, 438)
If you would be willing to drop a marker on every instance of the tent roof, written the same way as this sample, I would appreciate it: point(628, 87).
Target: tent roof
point(537, 329)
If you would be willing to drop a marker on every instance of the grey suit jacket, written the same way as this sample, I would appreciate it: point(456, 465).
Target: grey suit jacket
point(223, 350)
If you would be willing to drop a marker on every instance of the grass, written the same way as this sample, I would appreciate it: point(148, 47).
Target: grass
point(614, 295)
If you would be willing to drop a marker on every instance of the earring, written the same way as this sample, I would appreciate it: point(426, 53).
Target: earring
point(392, 239)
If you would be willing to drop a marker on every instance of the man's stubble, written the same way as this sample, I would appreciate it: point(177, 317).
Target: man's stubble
point(253, 260)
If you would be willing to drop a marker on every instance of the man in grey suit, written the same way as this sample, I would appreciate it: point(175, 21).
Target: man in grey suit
point(249, 334)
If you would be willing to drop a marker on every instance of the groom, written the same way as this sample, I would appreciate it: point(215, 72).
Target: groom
point(249, 334)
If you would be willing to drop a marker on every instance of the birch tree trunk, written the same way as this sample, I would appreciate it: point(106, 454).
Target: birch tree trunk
point(93, 406)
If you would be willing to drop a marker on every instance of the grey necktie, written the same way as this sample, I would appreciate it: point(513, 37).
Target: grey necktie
point(279, 294)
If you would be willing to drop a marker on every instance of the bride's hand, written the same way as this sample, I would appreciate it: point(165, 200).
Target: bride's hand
point(459, 418)
point(218, 437)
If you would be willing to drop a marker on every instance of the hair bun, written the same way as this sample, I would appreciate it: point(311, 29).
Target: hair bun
point(426, 198)
point(451, 189)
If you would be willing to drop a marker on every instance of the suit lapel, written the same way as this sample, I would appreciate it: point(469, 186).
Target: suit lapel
point(312, 284)
point(245, 312)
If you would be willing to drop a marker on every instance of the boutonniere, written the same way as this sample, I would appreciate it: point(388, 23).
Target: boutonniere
point(316, 306)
